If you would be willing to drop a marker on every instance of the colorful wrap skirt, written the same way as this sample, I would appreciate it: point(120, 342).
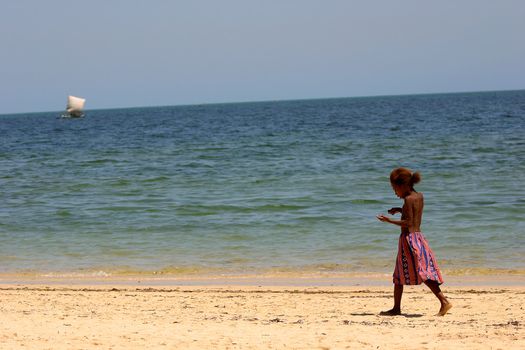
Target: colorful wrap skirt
point(415, 261)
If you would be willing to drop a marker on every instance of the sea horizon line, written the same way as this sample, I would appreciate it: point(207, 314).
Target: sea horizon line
point(284, 100)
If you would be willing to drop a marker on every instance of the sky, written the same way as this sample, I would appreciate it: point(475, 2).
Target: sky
point(156, 53)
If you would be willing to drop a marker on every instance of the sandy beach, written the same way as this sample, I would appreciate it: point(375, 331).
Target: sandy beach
point(124, 316)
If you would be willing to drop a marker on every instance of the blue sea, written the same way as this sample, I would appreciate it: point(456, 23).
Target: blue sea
point(263, 187)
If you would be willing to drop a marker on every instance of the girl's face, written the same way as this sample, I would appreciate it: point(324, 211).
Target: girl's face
point(401, 190)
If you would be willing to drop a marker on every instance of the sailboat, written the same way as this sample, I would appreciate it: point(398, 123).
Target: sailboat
point(75, 107)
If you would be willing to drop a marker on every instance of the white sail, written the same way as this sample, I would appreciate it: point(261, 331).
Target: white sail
point(75, 104)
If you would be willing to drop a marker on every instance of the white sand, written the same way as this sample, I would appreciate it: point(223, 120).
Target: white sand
point(238, 317)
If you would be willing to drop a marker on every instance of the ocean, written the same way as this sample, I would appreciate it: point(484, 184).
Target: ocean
point(262, 188)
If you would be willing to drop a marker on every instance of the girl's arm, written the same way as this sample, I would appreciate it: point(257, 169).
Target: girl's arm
point(392, 211)
point(407, 216)
point(402, 223)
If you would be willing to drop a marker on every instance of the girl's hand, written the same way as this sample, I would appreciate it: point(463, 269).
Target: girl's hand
point(383, 218)
point(392, 211)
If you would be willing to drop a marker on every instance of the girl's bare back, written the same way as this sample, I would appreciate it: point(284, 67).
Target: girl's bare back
point(412, 212)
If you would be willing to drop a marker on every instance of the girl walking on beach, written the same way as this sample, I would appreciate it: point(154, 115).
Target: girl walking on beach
point(415, 263)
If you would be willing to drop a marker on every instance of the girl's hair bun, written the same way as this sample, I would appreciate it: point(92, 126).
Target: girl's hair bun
point(416, 177)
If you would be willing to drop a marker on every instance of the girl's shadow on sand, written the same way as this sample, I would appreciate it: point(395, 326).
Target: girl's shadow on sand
point(371, 314)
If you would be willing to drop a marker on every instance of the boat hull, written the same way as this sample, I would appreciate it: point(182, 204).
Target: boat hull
point(72, 115)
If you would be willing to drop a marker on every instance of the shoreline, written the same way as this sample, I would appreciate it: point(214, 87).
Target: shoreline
point(267, 280)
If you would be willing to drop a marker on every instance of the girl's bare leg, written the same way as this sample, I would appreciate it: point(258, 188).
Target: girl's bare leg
point(445, 304)
point(398, 293)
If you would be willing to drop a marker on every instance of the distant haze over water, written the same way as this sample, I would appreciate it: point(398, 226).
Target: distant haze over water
point(291, 186)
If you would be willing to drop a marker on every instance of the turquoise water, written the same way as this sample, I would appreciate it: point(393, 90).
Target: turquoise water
point(250, 188)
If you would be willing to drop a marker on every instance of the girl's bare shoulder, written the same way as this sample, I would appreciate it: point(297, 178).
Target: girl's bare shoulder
point(414, 197)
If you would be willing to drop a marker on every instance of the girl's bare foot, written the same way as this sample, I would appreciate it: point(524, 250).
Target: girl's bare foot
point(444, 309)
point(393, 312)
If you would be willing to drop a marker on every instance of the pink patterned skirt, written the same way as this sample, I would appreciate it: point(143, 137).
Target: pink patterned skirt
point(415, 261)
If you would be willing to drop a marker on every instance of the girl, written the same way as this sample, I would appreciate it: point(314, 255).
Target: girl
point(415, 260)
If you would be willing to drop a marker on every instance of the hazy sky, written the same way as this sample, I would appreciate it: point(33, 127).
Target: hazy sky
point(148, 53)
